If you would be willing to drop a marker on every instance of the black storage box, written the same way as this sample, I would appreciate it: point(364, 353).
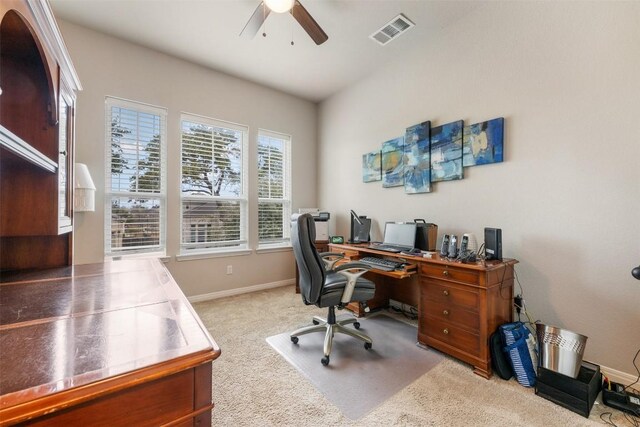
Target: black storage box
point(577, 394)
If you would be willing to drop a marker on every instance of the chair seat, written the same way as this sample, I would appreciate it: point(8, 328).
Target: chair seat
point(334, 287)
point(334, 280)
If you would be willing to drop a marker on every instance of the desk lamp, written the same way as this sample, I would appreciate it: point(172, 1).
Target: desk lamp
point(355, 217)
point(360, 227)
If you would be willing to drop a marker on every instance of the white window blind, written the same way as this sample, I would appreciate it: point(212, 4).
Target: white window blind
point(213, 185)
point(274, 188)
point(135, 193)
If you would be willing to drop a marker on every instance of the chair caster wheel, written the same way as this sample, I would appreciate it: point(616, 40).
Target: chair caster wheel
point(294, 340)
point(315, 322)
point(325, 360)
point(356, 325)
point(367, 346)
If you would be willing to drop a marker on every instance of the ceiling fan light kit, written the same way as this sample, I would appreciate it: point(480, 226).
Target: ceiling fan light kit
point(298, 12)
point(279, 6)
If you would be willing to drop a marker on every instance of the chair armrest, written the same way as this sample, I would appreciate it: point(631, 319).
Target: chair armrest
point(330, 259)
point(357, 270)
point(353, 265)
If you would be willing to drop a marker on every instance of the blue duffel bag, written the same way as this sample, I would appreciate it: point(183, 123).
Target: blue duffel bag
point(519, 345)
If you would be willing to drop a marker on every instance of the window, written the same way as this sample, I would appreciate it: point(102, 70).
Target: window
point(199, 232)
point(135, 177)
point(274, 188)
point(213, 185)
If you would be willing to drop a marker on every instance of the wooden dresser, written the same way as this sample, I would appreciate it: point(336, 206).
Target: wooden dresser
point(461, 305)
point(102, 345)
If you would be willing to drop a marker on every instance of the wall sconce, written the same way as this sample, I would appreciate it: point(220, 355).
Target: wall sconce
point(84, 199)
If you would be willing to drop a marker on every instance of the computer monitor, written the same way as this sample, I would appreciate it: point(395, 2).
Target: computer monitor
point(400, 234)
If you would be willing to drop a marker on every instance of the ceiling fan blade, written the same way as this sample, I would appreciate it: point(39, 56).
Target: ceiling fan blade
point(256, 21)
point(309, 24)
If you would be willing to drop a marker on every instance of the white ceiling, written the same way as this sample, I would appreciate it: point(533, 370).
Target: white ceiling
point(206, 32)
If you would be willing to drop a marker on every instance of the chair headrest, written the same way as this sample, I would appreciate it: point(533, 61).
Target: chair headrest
point(299, 219)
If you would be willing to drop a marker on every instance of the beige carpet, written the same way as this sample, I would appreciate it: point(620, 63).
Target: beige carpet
point(394, 362)
point(254, 386)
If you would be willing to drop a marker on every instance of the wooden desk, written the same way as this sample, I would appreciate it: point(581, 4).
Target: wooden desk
point(459, 305)
point(102, 344)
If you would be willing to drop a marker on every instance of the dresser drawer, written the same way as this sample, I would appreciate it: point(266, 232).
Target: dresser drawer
point(452, 335)
point(451, 313)
point(446, 272)
point(450, 294)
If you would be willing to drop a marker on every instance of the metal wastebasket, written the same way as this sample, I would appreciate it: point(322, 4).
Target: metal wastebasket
point(560, 350)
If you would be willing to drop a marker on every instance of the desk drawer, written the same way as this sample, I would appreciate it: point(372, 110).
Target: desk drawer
point(446, 272)
point(450, 294)
point(451, 313)
point(452, 335)
point(348, 254)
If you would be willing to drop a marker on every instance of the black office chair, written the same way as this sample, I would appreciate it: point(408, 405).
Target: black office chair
point(325, 286)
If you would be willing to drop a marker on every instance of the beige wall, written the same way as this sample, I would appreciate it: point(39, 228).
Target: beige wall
point(109, 66)
point(566, 77)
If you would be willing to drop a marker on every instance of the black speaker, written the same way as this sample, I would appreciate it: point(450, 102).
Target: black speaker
point(493, 243)
point(426, 235)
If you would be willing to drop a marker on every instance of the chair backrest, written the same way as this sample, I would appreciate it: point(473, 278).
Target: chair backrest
point(310, 266)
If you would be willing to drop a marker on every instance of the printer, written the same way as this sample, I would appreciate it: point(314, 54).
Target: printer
point(321, 220)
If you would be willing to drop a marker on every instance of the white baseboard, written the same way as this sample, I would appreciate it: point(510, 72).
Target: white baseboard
point(618, 376)
point(239, 291)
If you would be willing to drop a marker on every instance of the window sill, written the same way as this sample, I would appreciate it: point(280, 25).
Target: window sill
point(269, 249)
point(219, 254)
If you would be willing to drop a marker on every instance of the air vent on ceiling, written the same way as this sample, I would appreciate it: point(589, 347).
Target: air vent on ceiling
point(392, 29)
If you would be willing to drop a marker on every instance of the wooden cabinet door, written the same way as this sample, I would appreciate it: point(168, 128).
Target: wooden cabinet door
point(65, 160)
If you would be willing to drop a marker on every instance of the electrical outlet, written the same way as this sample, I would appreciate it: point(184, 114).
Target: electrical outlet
point(229, 269)
point(518, 302)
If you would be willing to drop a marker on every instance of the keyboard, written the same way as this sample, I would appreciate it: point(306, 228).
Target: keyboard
point(380, 263)
point(385, 248)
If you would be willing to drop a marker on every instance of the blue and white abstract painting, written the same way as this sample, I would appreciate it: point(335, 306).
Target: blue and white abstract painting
point(446, 152)
point(372, 166)
point(392, 164)
point(417, 163)
point(483, 143)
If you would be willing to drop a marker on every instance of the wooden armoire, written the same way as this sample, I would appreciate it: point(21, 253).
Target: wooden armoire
point(37, 108)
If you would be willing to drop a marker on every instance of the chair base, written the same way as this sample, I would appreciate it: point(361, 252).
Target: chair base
point(331, 326)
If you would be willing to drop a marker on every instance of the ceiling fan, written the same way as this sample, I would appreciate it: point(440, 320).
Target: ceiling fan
point(298, 11)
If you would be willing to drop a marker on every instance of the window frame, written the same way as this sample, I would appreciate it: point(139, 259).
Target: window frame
point(150, 250)
point(286, 200)
point(196, 250)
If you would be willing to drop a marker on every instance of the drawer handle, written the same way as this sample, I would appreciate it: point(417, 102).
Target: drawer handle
point(446, 293)
point(446, 273)
point(445, 331)
point(445, 312)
